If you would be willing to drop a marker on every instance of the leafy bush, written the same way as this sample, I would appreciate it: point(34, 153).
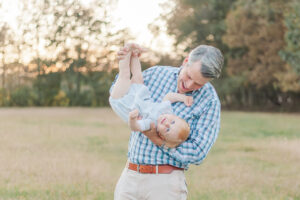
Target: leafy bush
point(47, 86)
point(61, 99)
point(23, 96)
point(4, 98)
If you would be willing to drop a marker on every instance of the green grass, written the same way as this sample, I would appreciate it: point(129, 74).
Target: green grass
point(79, 153)
point(260, 125)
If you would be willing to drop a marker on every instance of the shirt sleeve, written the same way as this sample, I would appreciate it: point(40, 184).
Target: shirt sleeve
point(203, 134)
point(148, 74)
point(144, 124)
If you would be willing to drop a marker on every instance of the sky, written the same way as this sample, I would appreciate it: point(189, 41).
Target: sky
point(11, 8)
point(135, 15)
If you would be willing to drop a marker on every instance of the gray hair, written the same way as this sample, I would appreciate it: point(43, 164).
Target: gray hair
point(211, 60)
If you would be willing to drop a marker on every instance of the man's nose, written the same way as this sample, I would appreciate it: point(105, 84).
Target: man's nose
point(189, 84)
point(167, 124)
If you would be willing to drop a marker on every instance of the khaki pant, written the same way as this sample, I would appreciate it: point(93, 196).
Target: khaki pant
point(136, 186)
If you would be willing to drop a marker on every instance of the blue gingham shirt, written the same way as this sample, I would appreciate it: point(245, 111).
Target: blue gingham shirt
point(203, 117)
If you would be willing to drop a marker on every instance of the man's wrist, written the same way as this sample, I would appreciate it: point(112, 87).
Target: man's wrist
point(163, 144)
point(165, 147)
point(157, 140)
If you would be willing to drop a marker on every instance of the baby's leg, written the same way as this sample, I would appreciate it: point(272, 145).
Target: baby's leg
point(136, 70)
point(122, 84)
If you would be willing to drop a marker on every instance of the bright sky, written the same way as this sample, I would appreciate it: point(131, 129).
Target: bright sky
point(11, 10)
point(133, 14)
point(137, 15)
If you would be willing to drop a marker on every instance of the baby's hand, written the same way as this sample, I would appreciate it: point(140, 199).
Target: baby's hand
point(188, 100)
point(134, 114)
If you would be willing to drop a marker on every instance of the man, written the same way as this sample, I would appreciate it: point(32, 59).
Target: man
point(153, 171)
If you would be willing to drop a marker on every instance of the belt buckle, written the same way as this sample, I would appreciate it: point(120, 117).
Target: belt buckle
point(146, 169)
point(151, 171)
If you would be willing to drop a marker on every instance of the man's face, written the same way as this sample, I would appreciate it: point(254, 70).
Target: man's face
point(190, 77)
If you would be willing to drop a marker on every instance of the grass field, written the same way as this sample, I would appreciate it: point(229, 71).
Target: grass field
point(79, 153)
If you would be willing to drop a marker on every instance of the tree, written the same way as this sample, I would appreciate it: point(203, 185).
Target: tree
point(83, 39)
point(68, 44)
point(5, 38)
point(195, 22)
point(33, 22)
point(290, 81)
point(255, 34)
point(291, 52)
point(255, 30)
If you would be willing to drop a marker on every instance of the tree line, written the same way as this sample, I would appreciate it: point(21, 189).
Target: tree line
point(260, 42)
point(62, 53)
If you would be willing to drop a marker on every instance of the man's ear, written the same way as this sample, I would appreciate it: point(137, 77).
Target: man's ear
point(185, 60)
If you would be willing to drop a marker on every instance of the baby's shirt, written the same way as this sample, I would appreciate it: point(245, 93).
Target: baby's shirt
point(151, 114)
point(138, 97)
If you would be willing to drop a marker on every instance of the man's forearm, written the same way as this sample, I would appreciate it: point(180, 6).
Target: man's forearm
point(157, 140)
point(153, 135)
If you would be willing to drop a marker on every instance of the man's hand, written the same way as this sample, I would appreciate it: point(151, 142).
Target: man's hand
point(188, 100)
point(152, 134)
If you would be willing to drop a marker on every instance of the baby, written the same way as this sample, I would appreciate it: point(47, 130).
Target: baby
point(131, 100)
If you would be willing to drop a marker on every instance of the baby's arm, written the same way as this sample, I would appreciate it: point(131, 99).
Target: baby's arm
point(133, 120)
point(136, 123)
point(174, 97)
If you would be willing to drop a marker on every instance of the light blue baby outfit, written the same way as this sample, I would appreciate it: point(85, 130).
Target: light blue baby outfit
point(138, 97)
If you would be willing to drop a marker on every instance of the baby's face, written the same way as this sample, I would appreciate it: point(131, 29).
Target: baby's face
point(168, 126)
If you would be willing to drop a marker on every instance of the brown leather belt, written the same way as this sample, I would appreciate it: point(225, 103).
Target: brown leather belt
point(153, 169)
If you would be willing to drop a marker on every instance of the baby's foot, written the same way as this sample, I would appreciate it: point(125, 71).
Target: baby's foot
point(135, 62)
point(135, 67)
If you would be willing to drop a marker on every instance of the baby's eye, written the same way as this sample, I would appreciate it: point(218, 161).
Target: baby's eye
point(173, 122)
point(168, 129)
